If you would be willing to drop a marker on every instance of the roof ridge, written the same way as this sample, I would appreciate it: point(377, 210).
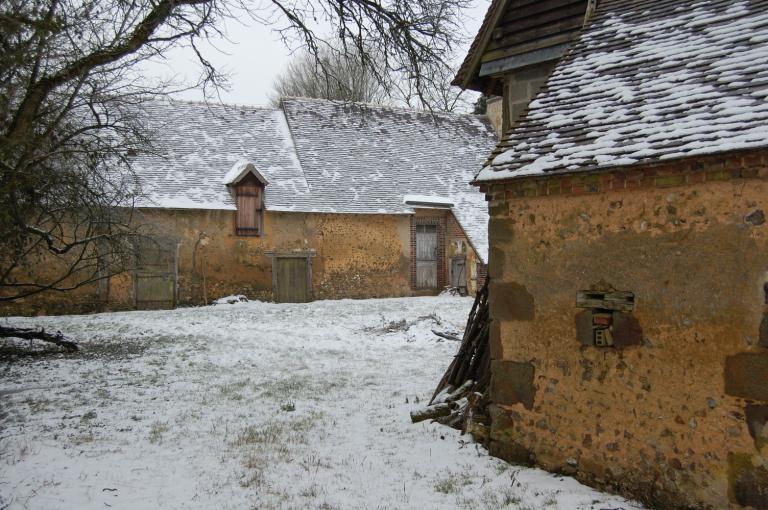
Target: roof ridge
point(381, 106)
point(284, 122)
point(216, 103)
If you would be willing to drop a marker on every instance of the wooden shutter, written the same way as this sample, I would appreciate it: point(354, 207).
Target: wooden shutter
point(248, 198)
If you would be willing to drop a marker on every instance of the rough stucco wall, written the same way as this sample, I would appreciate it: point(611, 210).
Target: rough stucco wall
point(668, 421)
point(361, 256)
point(358, 256)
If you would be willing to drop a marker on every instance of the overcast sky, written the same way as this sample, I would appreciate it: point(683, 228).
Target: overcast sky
point(253, 56)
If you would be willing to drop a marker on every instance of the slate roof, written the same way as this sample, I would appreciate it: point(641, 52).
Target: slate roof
point(319, 156)
point(198, 143)
point(647, 81)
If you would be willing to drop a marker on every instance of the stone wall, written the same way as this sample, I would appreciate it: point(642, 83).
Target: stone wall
point(520, 88)
point(356, 256)
point(495, 113)
point(679, 419)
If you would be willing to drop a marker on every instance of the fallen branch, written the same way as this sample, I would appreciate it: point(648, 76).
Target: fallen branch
point(447, 336)
point(57, 338)
point(431, 412)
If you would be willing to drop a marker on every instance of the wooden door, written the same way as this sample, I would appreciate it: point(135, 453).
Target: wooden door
point(292, 280)
point(426, 256)
point(458, 272)
point(155, 277)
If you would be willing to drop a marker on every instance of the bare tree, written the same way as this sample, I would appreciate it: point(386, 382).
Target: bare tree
point(70, 102)
point(439, 95)
point(71, 92)
point(397, 41)
point(328, 75)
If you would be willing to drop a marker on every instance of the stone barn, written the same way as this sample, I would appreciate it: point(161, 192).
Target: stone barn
point(312, 200)
point(629, 245)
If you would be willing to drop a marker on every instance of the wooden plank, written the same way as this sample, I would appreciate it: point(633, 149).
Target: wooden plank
point(291, 281)
point(524, 60)
point(154, 290)
point(538, 32)
point(458, 272)
point(617, 300)
point(540, 9)
point(539, 44)
point(426, 256)
point(515, 25)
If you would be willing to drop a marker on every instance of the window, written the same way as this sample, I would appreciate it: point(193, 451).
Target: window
point(249, 194)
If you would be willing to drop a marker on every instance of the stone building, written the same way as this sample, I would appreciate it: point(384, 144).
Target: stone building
point(312, 200)
point(628, 244)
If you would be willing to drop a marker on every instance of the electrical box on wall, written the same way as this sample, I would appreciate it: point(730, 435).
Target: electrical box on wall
point(607, 319)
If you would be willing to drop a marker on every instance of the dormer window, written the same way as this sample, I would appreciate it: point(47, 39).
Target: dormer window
point(249, 194)
point(247, 187)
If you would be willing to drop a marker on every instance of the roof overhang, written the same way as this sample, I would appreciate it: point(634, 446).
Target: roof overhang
point(238, 172)
point(430, 201)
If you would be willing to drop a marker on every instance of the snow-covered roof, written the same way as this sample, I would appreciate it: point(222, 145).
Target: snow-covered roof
point(239, 170)
point(647, 81)
point(318, 156)
point(196, 146)
point(361, 158)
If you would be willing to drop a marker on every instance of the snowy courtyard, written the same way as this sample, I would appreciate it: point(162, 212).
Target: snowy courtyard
point(251, 405)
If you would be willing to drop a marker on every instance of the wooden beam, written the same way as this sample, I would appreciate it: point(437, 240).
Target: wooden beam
point(526, 59)
point(539, 32)
point(540, 8)
point(516, 24)
point(521, 49)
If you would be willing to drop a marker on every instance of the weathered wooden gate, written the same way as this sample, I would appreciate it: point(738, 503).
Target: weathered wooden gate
point(292, 277)
point(426, 256)
point(155, 276)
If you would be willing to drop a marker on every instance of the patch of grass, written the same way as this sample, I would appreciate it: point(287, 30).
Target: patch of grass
point(310, 492)
point(252, 479)
point(501, 468)
point(447, 486)
point(550, 500)
point(269, 433)
point(156, 431)
point(255, 461)
point(90, 415)
point(312, 463)
point(453, 482)
point(233, 390)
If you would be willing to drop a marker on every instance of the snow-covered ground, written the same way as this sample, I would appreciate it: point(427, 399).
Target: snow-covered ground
point(252, 405)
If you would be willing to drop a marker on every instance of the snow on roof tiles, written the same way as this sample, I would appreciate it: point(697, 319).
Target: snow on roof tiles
point(197, 144)
point(318, 156)
point(360, 158)
point(647, 81)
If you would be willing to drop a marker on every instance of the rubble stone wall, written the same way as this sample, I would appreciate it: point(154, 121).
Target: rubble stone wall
point(680, 418)
point(355, 256)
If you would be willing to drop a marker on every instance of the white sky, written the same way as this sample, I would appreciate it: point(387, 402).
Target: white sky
point(254, 55)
